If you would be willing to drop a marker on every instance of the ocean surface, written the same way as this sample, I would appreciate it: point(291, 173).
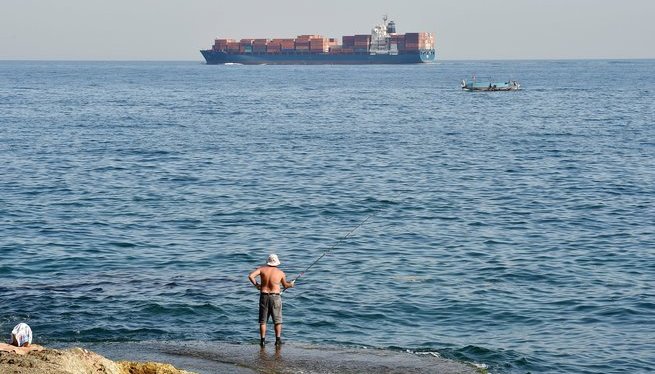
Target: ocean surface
point(514, 230)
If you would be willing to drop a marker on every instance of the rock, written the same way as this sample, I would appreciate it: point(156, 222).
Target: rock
point(149, 368)
point(75, 361)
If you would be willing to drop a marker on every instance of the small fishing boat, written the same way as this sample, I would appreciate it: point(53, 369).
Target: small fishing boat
point(489, 85)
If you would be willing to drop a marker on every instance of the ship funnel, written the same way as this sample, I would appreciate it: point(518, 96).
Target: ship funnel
point(391, 27)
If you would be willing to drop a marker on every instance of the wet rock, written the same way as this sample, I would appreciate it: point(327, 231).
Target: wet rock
point(75, 361)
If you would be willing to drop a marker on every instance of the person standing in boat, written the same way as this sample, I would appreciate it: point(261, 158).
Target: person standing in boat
point(270, 300)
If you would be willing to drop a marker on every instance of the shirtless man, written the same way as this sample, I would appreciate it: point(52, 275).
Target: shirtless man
point(270, 301)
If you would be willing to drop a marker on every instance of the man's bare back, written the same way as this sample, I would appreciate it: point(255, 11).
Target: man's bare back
point(271, 279)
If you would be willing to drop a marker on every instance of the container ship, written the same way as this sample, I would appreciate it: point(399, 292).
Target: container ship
point(382, 46)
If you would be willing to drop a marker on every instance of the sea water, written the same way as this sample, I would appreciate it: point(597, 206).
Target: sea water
point(511, 229)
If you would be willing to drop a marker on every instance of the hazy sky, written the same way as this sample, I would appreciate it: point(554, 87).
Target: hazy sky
point(465, 29)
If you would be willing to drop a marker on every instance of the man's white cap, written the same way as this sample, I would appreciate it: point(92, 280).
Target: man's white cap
point(273, 260)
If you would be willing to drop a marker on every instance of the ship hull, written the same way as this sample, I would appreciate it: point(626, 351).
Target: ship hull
point(415, 57)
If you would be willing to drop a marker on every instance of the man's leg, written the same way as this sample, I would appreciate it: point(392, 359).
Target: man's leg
point(262, 334)
point(262, 330)
point(263, 317)
point(277, 319)
point(278, 333)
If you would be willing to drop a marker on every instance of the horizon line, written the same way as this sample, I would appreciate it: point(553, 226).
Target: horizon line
point(438, 61)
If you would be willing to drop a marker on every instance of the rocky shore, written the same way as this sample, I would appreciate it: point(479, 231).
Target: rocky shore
point(221, 357)
point(39, 360)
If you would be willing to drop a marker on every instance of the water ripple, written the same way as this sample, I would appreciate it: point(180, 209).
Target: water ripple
point(509, 230)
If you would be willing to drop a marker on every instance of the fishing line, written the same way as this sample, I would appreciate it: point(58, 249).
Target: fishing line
point(360, 224)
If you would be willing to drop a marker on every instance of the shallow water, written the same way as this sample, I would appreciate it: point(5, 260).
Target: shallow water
point(513, 229)
point(234, 358)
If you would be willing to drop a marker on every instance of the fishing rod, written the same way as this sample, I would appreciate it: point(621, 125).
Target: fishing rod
point(331, 248)
point(340, 240)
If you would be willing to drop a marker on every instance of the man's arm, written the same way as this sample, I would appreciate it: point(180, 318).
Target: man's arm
point(254, 274)
point(285, 283)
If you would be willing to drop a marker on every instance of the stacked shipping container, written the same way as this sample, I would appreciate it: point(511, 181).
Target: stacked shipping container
point(221, 44)
point(233, 46)
point(319, 44)
point(259, 45)
point(399, 41)
point(245, 45)
point(362, 43)
point(302, 43)
point(419, 40)
point(288, 45)
point(274, 46)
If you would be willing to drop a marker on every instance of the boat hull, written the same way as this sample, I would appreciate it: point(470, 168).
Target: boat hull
point(218, 57)
point(490, 86)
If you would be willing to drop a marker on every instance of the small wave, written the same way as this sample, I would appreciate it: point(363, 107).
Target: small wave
point(122, 244)
point(108, 334)
point(180, 310)
point(499, 360)
point(411, 278)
